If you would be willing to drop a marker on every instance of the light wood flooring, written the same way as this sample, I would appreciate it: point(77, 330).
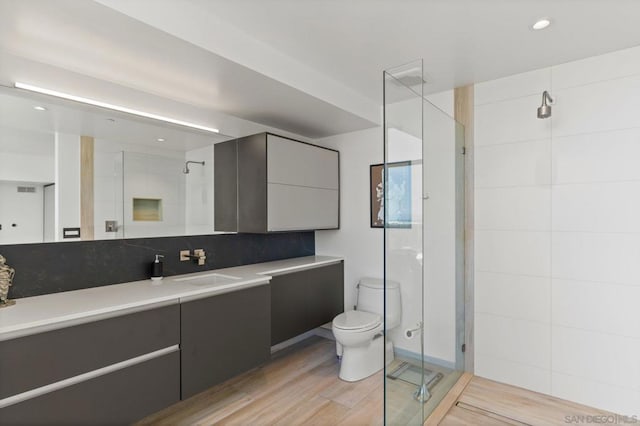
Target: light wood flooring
point(300, 386)
point(485, 402)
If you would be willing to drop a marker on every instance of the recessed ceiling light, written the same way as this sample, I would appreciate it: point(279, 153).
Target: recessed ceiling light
point(541, 24)
point(160, 139)
point(39, 108)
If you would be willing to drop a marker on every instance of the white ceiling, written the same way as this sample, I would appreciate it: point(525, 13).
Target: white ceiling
point(461, 41)
point(308, 67)
point(18, 117)
point(87, 38)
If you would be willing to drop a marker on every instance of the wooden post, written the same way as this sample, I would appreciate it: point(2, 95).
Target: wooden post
point(464, 114)
point(86, 187)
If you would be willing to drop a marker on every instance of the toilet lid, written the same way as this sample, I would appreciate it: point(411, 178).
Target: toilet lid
point(353, 320)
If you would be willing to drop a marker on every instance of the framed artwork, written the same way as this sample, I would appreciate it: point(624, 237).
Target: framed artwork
point(399, 199)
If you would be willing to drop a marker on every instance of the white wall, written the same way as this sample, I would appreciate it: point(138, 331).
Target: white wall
point(26, 159)
point(26, 156)
point(356, 241)
point(199, 192)
point(362, 246)
point(440, 233)
point(67, 189)
point(107, 189)
point(25, 210)
point(557, 234)
point(156, 177)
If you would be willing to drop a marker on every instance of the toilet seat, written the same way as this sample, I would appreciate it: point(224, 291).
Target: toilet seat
point(357, 321)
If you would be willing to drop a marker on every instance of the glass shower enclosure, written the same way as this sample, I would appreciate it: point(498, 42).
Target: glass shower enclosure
point(423, 209)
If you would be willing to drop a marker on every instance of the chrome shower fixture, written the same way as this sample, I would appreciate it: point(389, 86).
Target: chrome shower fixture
point(544, 111)
point(186, 170)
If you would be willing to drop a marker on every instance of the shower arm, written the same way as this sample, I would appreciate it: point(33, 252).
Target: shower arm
point(186, 166)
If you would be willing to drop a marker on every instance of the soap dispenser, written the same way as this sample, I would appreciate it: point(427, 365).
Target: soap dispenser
point(156, 268)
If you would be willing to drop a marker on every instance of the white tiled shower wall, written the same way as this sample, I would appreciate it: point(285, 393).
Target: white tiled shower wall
point(557, 222)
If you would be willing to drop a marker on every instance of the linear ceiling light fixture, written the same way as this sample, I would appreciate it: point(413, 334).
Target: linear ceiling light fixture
point(101, 104)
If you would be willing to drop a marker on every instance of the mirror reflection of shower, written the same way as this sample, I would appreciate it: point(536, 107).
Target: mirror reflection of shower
point(186, 170)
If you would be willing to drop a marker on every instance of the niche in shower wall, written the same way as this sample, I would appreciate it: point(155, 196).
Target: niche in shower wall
point(147, 210)
point(154, 195)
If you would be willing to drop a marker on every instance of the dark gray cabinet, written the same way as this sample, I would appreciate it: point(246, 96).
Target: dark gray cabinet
point(121, 369)
point(225, 183)
point(304, 300)
point(118, 398)
point(111, 368)
point(82, 348)
point(268, 183)
point(222, 336)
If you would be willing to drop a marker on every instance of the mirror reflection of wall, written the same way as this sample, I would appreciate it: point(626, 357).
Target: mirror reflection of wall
point(199, 214)
point(66, 167)
point(27, 159)
point(184, 201)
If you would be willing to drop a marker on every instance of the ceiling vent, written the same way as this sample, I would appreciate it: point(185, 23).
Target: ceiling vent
point(409, 80)
point(408, 77)
point(31, 189)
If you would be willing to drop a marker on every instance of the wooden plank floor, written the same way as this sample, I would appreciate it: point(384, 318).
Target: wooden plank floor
point(485, 402)
point(299, 386)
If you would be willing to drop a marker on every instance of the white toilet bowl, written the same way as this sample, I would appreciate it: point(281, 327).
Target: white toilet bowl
point(360, 334)
point(361, 344)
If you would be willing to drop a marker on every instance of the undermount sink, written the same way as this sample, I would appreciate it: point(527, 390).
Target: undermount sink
point(206, 279)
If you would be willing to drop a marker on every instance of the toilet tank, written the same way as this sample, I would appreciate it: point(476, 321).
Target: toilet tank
point(370, 299)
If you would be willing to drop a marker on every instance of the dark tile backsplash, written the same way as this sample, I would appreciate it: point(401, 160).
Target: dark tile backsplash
point(55, 267)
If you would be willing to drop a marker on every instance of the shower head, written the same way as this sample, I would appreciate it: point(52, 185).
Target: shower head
point(186, 170)
point(544, 111)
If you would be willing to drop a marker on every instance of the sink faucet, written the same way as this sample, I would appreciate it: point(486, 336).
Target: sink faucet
point(198, 255)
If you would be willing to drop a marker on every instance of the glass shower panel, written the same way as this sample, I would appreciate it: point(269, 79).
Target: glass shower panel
point(403, 242)
point(443, 143)
point(423, 247)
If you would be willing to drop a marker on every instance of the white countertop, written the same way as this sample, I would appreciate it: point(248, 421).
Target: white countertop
point(36, 314)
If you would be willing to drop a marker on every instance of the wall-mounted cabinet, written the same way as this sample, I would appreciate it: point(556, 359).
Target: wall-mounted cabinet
point(223, 336)
point(120, 369)
point(304, 300)
point(267, 183)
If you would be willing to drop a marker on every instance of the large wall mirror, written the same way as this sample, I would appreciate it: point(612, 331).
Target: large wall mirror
point(75, 172)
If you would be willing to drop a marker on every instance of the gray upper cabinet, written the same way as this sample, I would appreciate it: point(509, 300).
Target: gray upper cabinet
point(295, 163)
point(282, 185)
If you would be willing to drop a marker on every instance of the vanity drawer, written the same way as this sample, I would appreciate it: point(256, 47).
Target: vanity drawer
point(117, 398)
point(33, 361)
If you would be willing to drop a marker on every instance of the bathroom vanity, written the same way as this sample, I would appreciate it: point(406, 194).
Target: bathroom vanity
point(118, 353)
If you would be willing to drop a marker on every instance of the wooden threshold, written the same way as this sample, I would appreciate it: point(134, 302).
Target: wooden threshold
point(449, 400)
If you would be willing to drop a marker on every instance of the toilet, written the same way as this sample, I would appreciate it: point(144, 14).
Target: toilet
point(360, 340)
